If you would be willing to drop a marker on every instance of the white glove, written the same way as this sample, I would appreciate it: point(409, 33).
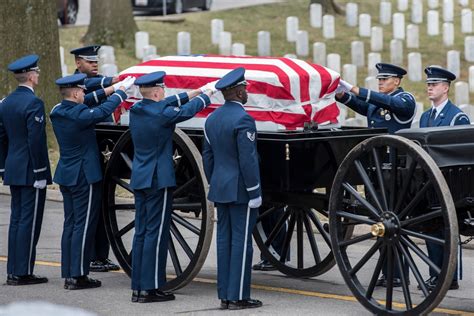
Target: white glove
point(211, 86)
point(39, 184)
point(345, 84)
point(126, 83)
point(340, 89)
point(255, 203)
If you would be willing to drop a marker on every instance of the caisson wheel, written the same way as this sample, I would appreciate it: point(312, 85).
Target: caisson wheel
point(294, 239)
point(191, 225)
point(396, 198)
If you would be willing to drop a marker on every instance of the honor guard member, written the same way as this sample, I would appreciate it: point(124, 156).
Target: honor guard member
point(231, 165)
point(441, 113)
point(98, 88)
point(391, 107)
point(152, 125)
point(25, 168)
point(79, 174)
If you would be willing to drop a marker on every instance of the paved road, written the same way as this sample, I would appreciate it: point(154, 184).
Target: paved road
point(83, 16)
point(323, 295)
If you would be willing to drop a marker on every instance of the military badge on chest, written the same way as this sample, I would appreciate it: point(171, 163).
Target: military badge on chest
point(385, 114)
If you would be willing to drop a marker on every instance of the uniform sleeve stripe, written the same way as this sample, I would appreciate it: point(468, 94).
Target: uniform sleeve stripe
point(95, 96)
point(205, 135)
point(39, 170)
point(121, 99)
point(350, 97)
point(368, 96)
point(102, 83)
point(460, 115)
point(253, 188)
point(54, 107)
point(2, 170)
point(203, 102)
point(178, 99)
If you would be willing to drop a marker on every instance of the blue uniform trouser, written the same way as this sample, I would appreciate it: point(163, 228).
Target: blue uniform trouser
point(100, 245)
point(235, 223)
point(268, 223)
point(27, 208)
point(152, 233)
point(81, 212)
point(435, 253)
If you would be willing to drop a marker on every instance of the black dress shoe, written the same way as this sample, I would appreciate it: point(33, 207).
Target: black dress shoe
point(430, 283)
point(243, 304)
point(224, 304)
point(82, 282)
point(264, 265)
point(98, 266)
point(110, 265)
point(135, 296)
point(382, 281)
point(154, 296)
point(25, 279)
point(454, 285)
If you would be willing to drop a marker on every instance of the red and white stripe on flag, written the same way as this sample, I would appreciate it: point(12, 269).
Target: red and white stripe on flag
point(284, 92)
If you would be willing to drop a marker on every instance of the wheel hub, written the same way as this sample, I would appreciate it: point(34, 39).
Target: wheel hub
point(389, 226)
point(378, 230)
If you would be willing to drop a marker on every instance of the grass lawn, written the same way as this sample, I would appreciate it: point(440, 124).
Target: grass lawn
point(246, 22)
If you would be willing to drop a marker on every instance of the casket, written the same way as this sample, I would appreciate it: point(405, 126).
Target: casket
point(284, 93)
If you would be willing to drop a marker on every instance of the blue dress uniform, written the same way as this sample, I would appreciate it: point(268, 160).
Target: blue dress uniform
point(231, 165)
point(24, 160)
point(450, 115)
point(152, 125)
point(95, 95)
point(393, 111)
point(79, 174)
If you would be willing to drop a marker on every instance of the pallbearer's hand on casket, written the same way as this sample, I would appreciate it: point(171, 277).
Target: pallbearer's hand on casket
point(39, 184)
point(254, 203)
point(126, 83)
point(343, 86)
point(210, 86)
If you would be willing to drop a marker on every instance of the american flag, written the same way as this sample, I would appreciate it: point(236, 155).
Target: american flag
point(283, 93)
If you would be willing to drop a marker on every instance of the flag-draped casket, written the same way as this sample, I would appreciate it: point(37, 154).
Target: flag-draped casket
point(284, 93)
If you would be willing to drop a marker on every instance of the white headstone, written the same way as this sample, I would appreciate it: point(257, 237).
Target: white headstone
point(64, 71)
point(461, 92)
point(106, 55)
point(149, 57)
point(372, 83)
point(316, 15)
point(357, 53)
point(334, 62)
point(376, 39)
point(184, 43)
point(292, 27)
point(448, 34)
point(417, 11)
point(471, 79)
point(217, 26)
point(469, 110)
point(109, 70)
point(302, 44)
point(385, 13)
point(61, 54)
point(414, 67)
point(319, 53)
point(419, 111)
point(453, 62)
point(463, 3)
point(238, 49)
point(448, 10)
point(351, 14)
point(469, 48)
point(225, 43)
point(149, 50)
point(264, 43)
point(365, 24)
point(349, 73)
point(329, 27)
point(141, 40)
point(402, 5)
point(432, 23)
point(433, 4)
point(372, 60)
point(396, 52)
point(466, 21)
point(413, 36)
point(399, 26)
point(292, 56)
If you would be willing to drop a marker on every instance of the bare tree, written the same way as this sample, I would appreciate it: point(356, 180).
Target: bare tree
point(330, 6)
point(30, 27)
point(111, 23)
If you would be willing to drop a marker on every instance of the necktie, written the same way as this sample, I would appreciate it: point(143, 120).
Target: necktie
point(432, 117)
